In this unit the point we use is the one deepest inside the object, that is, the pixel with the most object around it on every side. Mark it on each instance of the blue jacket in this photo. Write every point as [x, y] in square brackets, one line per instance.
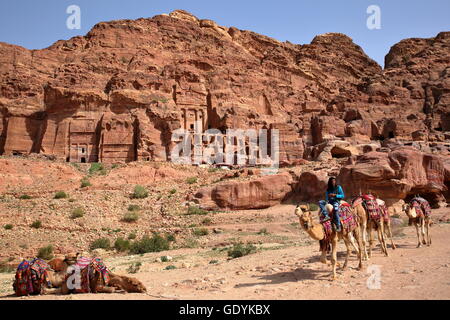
[339, 194]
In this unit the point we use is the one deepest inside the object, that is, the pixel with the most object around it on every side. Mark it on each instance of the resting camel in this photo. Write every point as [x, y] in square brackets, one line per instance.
[316, 231]
[382, 226]
[116, 282]
[419, 221]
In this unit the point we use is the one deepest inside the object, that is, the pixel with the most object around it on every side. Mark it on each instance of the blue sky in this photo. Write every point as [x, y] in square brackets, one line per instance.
[37, 24]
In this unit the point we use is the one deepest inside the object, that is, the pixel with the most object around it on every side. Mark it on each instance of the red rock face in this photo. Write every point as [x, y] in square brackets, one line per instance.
[396, 175]
[260, 193]
[119, 92]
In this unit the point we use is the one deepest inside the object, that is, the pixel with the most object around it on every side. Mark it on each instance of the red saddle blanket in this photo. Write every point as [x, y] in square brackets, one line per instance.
[423, 208]
[88, 269]
[375, 210]
[31, 277]
[346, 216]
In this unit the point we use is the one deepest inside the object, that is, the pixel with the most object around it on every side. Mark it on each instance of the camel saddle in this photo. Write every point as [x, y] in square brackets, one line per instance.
[88, 270]
[375, 207]
[346, 217]
[422, 206]
[31, 277]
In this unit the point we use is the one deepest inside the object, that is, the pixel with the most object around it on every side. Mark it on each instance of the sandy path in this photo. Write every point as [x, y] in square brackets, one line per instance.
[295, 273]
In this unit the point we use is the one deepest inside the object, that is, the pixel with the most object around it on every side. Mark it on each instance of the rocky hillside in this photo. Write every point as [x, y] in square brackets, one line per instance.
[117, 93]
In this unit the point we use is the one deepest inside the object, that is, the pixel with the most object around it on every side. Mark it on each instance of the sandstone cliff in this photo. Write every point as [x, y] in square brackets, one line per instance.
[119, 92]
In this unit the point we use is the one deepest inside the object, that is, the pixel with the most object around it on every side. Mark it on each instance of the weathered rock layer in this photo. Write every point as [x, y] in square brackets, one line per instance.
[119, 92]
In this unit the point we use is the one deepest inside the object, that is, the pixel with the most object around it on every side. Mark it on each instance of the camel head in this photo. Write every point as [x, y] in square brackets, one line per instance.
[410, 211]
[71, 258]
[304, 215]
[134, 285]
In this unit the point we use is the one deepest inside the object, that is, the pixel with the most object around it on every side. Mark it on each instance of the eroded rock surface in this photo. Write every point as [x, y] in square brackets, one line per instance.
[119, 92]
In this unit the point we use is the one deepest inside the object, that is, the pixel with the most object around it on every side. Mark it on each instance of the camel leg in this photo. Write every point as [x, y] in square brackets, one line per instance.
[334, 243]
[371, 241]
[389, 229]
[418, 235]
[380, 233]
[360, 253]
[104, 289]
[323, 255]
[358, 248]
[347, 246]
[428, 232]
[422, 231]
[364, 241]
[352, 240]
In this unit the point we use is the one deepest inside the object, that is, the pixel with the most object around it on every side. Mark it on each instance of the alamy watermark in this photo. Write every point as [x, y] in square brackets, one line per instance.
[74, 20]
[374, 20]
[374, 280]
[234, 147]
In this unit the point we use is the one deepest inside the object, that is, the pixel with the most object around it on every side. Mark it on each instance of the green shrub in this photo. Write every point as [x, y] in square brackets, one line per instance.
[25, 197]
[132, 236]
[194, 210]
[213, 170]
[36, 225]
[97, 168]
[85, 183]
[239, 250]
[164, 259]
[134, 267]
[61, 195]
[154, 244]
[77, 213]
[139, 192]
[46, 253]
[214, 262]
[4, 268]
[101, 243]
[200, 232]
[313, 207]
[131, 216]
[170, 268]
[171, 238]
[207, 222]
[191, 243]
[191, 180]
[263, 231]
[133, 207]
[8, 226]
[173, 191]
[121, 245]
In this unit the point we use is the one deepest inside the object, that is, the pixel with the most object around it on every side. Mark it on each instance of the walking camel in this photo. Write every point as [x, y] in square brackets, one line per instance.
[317, 232]
[421, 222]
[380, 222]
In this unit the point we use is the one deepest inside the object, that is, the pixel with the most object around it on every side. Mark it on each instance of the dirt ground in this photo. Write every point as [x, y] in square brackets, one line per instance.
[286, 266]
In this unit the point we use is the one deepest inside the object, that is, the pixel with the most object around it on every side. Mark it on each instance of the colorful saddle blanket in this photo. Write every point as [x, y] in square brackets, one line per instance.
[422, 207]
[347, 218]
[88, 269]
[376, 208]
[31, 277]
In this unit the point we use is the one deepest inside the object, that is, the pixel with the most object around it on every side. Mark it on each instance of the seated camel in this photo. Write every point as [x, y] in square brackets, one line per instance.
[100, 280]
[36, 277]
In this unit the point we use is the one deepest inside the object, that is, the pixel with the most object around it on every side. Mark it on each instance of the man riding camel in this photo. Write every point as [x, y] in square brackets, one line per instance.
[333, 196]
